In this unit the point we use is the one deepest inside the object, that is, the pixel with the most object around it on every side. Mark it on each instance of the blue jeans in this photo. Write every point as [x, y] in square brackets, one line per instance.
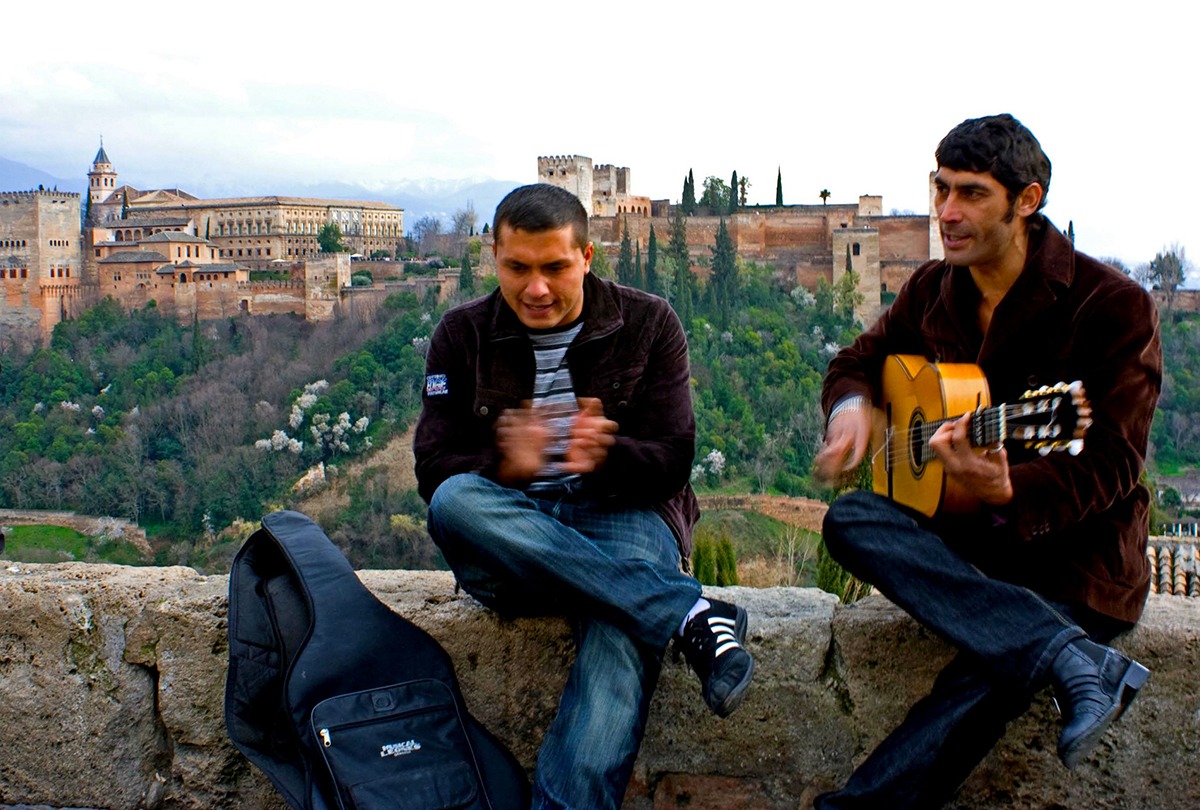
[615, 574]
[1007, 636]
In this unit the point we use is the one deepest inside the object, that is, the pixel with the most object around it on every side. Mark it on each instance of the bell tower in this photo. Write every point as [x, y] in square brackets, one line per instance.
[102, 180]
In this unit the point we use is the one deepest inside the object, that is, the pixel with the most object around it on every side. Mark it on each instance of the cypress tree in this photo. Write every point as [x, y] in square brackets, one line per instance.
[466, 277]
[639, 280]
[625, 262]
[727, 573]
[684, 286]
[704, 563]
[652, 263]
[733, 192]
[724, 276]
[688, 204]
[779, 186]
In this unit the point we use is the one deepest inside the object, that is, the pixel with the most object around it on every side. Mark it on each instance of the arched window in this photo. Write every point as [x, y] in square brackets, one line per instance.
[855, 248]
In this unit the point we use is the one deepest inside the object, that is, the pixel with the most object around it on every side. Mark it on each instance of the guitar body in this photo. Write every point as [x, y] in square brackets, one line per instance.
[918, 394]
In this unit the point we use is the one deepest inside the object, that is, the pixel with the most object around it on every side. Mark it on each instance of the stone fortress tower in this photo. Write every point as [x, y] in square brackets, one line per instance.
[570, 172]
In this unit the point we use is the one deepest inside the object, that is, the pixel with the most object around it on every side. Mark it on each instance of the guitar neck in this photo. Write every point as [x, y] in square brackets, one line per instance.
[991, 426]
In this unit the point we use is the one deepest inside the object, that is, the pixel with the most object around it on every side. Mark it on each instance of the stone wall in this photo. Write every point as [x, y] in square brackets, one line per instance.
[111, 689]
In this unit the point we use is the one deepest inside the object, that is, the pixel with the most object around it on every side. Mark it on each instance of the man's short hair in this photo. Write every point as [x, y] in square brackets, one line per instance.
[542, 207]
[1000, 145]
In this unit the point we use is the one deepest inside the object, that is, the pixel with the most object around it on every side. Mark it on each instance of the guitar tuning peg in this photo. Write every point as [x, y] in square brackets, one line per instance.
[1075, 446]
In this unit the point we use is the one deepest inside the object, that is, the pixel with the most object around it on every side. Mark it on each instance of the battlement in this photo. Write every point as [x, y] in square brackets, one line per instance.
[563, 160]
[39, 192]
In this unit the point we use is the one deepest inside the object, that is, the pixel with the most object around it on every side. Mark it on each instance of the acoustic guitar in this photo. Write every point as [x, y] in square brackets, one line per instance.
[920, 396]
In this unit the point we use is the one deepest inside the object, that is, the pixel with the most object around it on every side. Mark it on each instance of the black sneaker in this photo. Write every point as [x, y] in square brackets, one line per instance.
[712, 644]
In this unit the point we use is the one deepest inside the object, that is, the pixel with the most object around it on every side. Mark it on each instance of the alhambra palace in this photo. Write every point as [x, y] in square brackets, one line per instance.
[194, 257]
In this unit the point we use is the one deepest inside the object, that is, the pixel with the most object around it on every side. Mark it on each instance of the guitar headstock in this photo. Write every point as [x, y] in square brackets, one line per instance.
[1050, 418]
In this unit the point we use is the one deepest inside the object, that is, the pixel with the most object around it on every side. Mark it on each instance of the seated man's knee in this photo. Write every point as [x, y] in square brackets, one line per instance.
[452, 501]
[846, 514]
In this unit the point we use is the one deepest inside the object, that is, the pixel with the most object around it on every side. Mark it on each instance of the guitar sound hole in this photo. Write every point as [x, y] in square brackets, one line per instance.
[917, 444]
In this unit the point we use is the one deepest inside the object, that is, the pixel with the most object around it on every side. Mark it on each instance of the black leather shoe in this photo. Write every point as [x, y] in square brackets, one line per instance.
[712, 643]
[1093, 685]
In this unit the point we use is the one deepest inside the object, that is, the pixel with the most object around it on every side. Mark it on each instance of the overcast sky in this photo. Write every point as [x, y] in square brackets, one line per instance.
[851, 97]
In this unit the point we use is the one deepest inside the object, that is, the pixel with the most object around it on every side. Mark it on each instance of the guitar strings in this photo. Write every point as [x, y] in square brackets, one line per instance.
[898, 441]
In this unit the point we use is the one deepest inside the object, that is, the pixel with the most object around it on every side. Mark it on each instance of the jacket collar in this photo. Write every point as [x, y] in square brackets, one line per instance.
[601, 315]
[1049, 272]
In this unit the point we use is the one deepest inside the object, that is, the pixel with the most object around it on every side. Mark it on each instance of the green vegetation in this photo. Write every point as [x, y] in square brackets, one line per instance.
[733, 547]
[53, 544]
[136, 416]
[270, 275]
[329, 238]
[188, 428]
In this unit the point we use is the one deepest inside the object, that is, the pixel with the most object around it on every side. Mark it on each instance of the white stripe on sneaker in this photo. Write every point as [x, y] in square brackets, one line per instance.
[726, 647]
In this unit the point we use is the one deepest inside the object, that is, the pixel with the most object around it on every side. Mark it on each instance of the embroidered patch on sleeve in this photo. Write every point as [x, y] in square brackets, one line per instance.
[435, 385]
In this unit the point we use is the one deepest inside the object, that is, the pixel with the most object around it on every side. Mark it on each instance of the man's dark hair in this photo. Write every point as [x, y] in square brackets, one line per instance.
[1000, 145]
[542, 207]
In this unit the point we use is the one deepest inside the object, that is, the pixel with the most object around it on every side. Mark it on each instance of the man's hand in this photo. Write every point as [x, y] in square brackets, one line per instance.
[591, 436]
[521, 438]
[846, 441]
[982, 472]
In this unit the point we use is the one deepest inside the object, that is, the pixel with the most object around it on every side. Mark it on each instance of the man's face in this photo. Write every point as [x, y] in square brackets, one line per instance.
[541, 274]
[978, 223]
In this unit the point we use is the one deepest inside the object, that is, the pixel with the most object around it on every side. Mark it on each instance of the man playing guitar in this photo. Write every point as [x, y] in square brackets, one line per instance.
[1051, 566]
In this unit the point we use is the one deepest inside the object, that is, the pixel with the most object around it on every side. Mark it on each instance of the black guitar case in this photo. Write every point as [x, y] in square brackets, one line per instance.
[341, 702]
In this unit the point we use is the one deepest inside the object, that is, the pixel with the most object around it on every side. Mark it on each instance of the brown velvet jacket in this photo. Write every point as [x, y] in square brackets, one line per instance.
[1077, 526]
[631, 354]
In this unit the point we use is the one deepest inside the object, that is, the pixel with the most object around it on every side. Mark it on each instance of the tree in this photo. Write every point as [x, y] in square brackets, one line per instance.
[824, 195]
[682, 283]
[716, 195]
[1071, 231]
[600, 264]
[625, 262]
[639, 280]
[652, 263]
[466, 277]
[743, 184]
[330, 239]
[724, 276]
[733, 192]
[424, 230]
[464, 220]
[688, 201]
[779, 186]
[1168, 271]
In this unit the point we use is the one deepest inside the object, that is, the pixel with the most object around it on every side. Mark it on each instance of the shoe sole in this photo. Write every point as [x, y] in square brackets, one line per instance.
[1132, 681]
[738, 693]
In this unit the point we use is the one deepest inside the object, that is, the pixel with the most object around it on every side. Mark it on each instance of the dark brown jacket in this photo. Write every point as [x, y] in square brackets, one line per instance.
[1076, 528]
[631, 354]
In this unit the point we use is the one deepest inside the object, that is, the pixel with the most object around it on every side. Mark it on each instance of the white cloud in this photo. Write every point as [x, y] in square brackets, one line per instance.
[849, 98]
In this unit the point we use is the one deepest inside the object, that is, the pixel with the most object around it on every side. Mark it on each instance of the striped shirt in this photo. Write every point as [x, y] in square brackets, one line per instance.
[554, 400]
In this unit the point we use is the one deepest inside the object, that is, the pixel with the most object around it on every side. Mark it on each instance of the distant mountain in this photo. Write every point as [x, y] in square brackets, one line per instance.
[19, 177]
[418, 198]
